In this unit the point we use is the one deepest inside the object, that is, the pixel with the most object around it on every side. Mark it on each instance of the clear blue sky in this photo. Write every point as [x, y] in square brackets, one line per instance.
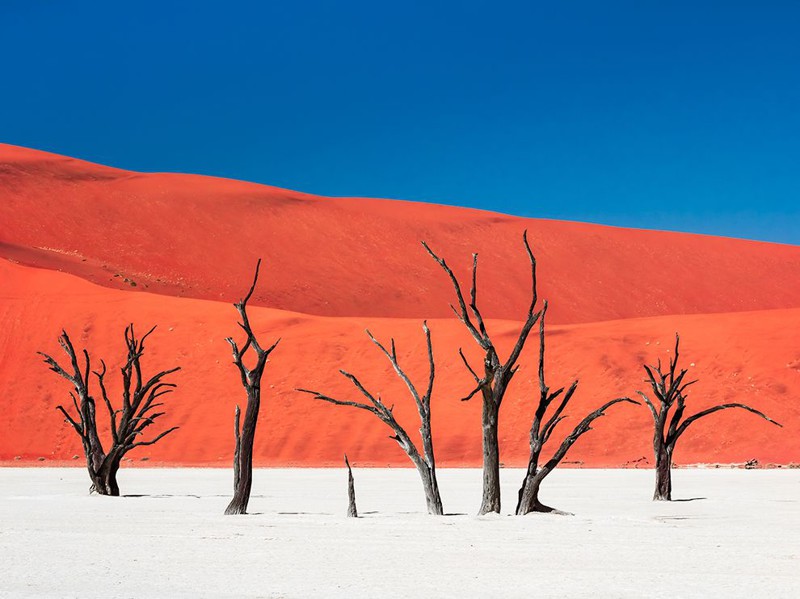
[667, 115]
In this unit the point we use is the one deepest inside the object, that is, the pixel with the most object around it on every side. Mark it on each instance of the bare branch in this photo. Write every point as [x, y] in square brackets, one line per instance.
[649, 405]
[548, 428]
[583, 427]
[532, 316]
[473, 392]
[112, 415]
[156, 439]
[682, 428]
[471, 370]
[339, 402]
[75, 425]
[484, 342]
[392, 357]
[473, 298]
[253, 286]
[431, 364]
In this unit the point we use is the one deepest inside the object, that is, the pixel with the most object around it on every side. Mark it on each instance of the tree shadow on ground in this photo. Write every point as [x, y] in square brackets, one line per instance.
[164, 495]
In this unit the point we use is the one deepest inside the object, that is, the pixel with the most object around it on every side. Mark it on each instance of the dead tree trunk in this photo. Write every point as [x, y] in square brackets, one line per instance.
[542, 428]
[352, 511]
[425, 463]
[127, 423]
[251, 381]
[663, 490]
[237, 452]
[669, 390]
[107, 476]
[490, 419]
[497, 375]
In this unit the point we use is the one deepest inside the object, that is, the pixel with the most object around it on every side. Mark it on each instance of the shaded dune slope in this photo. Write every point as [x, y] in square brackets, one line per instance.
[195, 236]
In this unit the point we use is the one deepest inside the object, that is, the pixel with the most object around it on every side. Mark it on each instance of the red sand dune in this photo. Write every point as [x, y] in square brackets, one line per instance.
[343, 264]
[750, 356]
[187, 235]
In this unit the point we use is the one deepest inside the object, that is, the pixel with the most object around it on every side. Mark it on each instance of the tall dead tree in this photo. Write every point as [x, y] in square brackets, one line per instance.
[251, 381]
[669, 389]
[542, 428]
[496, 374]
[127, 423]
[425, 462]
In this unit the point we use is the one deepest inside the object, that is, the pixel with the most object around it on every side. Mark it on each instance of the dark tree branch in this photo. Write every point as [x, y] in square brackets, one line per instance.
[532, 316]
[583, 426]
[685, 424]
[473, 298]
[649, 405]
[462, 313]
[339, 402]
[392, 357]
[472, 393]
[112, 414]
[471, 370]
[156, 439]
[550, 425]
[431, 364]
[78, 428]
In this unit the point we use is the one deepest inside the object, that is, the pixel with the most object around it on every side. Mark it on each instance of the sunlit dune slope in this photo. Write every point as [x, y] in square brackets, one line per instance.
[195, 236]
[750, 356]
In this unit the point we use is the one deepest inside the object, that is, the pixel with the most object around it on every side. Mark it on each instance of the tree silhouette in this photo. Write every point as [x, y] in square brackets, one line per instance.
[542, 428]
[669, 389]
[497, 375]
[127, 423]
[425, 463]
[251, 381]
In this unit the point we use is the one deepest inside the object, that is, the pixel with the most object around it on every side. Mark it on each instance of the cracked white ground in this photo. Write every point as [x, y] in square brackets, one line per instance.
[735, 534]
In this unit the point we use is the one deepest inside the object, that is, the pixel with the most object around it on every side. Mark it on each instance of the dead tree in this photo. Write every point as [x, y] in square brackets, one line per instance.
[352, 512]
[542, 428]
[127, 424]
[425, 463]
[496, 374]
[669, 390]
[251, 381]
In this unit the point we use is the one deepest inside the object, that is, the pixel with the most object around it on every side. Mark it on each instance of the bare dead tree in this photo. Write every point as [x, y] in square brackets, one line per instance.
[251, 381]
[542, 428]
[425, 462]
[669, 389]
[497, 374]
[128, 423]
[352, 512]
